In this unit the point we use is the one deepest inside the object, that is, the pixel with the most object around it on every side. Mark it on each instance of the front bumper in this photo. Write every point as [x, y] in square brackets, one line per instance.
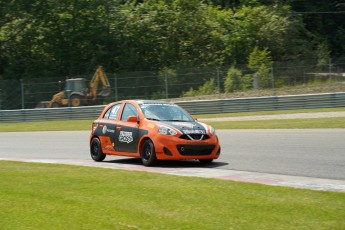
[178, 148]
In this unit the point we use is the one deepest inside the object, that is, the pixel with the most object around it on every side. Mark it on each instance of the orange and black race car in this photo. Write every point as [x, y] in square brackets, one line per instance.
[151, 130]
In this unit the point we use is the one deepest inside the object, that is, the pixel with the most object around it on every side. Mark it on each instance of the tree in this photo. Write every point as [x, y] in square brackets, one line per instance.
[233, 81]
[260, 62]
[324, 20]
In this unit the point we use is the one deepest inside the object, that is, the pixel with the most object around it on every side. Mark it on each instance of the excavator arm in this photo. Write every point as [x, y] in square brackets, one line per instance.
[97, 77]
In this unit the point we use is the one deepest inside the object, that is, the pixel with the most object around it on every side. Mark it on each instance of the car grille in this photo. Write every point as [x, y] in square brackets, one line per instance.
[194, 137]
[195, 150]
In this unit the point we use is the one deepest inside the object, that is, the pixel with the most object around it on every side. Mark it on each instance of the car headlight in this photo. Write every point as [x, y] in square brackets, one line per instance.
[166, 131]
[212, 131]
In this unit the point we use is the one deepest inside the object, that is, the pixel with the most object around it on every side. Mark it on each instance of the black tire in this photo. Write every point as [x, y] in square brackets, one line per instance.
[148, 154]
[76, 100]
[205, 161]
[96, 150]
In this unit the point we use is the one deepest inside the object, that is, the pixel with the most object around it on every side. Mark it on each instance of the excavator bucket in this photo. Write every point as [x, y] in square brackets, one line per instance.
[105, 92]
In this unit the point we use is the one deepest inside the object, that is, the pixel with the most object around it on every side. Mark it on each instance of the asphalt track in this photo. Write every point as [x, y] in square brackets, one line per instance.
[309, 158]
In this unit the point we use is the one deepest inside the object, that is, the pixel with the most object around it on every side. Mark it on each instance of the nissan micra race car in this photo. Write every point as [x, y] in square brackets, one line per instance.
[151, 130]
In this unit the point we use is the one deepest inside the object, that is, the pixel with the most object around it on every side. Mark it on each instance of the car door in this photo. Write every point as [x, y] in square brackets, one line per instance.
[127, 133]
[108, 127]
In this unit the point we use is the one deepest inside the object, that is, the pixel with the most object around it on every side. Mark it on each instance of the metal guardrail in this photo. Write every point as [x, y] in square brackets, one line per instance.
[325, 100]
[305, 101]
[51, 114]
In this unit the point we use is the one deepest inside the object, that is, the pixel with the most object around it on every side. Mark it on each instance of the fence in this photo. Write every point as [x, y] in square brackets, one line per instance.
[194, 107]
[279, 79]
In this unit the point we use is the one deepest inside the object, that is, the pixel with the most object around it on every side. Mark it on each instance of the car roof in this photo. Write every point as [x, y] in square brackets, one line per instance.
[141, 102]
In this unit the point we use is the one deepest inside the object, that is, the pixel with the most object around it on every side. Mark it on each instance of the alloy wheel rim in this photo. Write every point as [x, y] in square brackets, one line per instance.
[147, 152]
[94, 148]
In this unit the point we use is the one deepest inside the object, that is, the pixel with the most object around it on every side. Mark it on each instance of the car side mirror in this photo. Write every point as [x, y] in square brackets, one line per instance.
[132, 119]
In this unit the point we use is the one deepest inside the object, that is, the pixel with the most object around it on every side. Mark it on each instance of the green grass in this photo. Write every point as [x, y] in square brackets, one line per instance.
[70, 125]
[64, 125]
[270, 112]
[45, 196]
[311, 123]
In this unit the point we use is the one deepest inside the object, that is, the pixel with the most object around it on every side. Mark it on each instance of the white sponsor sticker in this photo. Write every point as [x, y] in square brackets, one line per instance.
[126, 137]
[193, 131]
[105, 130]
[184, 124]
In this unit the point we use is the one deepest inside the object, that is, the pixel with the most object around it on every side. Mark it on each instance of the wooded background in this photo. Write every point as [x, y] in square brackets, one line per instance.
[56, 39]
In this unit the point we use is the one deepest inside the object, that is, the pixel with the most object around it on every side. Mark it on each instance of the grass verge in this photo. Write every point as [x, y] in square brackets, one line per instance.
[63, 125]
[259, 113]
[311, 123]
[45, 196]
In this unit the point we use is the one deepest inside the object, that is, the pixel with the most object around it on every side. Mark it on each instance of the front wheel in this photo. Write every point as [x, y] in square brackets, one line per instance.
[96, 150]
[148, 154]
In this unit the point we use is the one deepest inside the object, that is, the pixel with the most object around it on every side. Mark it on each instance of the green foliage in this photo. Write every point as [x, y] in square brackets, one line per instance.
[260, 62]
[60, 38]
[233, 80]
[208, 88]
[323, 54]
[259, 58]
[48, 39]
[264, 76]
[247, 81]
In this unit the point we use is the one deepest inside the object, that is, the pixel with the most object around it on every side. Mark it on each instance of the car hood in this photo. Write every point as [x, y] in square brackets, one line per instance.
[193, 127]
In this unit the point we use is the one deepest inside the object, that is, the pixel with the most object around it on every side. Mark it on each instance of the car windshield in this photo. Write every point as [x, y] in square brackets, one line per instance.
[165, 112]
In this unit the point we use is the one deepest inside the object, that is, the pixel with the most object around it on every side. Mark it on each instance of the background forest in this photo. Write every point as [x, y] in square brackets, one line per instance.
[58, 38]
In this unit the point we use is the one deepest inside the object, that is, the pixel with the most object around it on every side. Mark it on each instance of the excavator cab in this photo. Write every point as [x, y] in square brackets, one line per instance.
[76, 85]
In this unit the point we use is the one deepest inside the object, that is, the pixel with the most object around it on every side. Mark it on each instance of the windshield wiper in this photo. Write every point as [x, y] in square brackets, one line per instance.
[152, 119]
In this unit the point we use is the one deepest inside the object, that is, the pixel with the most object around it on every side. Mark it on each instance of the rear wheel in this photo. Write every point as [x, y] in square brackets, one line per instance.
[148, 154]
[55, 105]
[96, 150]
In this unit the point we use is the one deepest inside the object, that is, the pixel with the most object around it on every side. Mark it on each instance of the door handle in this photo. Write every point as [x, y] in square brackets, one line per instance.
[119, 128]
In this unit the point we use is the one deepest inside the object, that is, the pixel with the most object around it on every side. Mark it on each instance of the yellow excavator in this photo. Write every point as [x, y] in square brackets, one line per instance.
[77, 93]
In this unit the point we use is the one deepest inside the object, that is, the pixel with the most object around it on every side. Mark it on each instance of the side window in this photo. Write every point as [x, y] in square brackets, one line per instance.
[112, 112]
[106, 115]
[129, 110]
